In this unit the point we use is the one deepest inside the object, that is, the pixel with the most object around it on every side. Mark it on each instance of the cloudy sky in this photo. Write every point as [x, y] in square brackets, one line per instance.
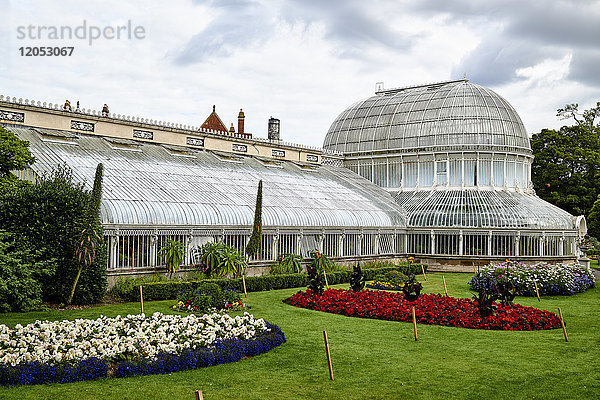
[303, 61]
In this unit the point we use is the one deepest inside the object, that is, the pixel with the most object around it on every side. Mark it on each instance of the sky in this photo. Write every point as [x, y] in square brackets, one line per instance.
[302, 61]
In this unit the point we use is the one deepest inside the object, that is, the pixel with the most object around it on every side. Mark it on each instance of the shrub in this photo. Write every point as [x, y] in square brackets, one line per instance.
[47, 217]
[20, 289]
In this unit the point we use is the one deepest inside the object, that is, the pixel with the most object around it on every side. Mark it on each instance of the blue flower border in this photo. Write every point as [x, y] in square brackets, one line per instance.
[223, 351]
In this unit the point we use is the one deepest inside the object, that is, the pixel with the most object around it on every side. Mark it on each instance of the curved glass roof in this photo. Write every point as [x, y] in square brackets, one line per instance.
[437, 117]
[153, 185]
[482, 209]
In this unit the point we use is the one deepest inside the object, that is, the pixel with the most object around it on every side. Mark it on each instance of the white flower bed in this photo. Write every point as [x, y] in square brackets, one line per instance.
[116, 338]
[558, 279]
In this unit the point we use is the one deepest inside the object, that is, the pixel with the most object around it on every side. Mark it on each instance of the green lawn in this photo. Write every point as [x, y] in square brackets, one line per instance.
[371, 359]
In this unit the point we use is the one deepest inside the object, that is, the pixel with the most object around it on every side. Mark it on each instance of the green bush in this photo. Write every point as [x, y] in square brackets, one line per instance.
[47, 217]
[202, 297]
[395, 276]
[20, 275]
[128, 288]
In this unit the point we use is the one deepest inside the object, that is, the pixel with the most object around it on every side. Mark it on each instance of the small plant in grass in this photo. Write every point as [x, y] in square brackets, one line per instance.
[412, 289]
[357, 279]
[173, 252]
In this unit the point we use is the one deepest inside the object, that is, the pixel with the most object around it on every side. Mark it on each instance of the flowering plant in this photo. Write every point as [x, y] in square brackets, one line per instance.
[63, 351]
[431, 309]
[559, 279]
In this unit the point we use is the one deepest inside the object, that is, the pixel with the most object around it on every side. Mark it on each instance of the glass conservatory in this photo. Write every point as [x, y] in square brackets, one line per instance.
[153, 192]
[457, 157]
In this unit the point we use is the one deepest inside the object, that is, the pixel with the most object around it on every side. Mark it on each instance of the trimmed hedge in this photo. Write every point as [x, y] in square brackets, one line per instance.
[170, 290]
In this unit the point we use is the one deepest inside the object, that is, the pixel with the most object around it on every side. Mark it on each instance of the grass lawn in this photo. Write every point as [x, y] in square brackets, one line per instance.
[372, 359]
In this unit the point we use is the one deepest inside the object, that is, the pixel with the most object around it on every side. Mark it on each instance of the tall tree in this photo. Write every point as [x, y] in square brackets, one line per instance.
[566, 168]
[254, 242]
[91, 234]
[14, 153]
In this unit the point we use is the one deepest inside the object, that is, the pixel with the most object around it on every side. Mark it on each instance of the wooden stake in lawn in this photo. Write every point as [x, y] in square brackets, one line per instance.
[423, 270]
[537, 292]
[199, 395]
[244, 283]
[414, 323]
[141, 299]
[474, 270]
[562, 323]
[328, 355]
[445, 288]
[325, 275]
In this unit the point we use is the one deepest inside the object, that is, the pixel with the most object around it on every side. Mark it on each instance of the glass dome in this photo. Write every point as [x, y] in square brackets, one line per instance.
[454, 115]
[456, 156]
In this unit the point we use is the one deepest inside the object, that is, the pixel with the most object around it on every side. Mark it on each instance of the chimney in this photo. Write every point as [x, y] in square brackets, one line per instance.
[241, 117]
[273, 129]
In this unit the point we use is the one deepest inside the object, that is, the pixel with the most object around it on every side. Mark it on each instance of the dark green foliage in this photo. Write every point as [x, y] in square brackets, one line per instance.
[565, 171]
[48, 216]
[254, 243]
[14, 153]
[566, 168]
[203, 297]
[316, 283]
[395, 276]
[128, 288]
[405, 268]
[357, 279]
[412, 289]
[20, 289]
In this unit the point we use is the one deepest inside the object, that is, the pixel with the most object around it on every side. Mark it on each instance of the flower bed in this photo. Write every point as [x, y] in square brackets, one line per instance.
[431, 309]
[66, 351]
[560, 279]
[383, 285]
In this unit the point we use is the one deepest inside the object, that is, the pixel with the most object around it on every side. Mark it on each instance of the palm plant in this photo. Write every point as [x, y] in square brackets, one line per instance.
[211, 256]
[232, 263]
[173, 252]
[292, 263]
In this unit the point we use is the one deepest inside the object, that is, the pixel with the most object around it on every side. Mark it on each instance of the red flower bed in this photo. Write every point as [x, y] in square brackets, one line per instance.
[432, 309]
